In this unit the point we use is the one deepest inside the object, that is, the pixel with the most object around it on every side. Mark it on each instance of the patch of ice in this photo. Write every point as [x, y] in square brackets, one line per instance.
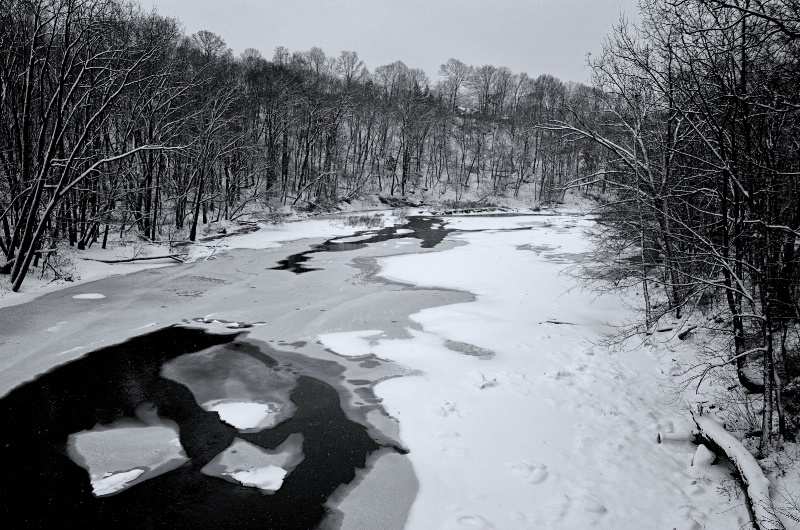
[89, 296]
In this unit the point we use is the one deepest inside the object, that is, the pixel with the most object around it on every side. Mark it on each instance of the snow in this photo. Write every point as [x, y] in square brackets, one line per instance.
[114, 482]
[753, 475]
[272, 236]
[474, 222]
[268, 478]
[703, 457]
[347, 343]
[550, 432]
[89, 296]
[243, 414]
[354, 239]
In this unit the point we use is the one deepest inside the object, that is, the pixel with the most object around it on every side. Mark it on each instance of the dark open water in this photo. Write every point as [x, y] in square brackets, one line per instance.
[40, 487]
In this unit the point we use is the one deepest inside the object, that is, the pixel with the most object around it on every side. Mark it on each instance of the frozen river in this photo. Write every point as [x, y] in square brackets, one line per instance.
[442, 374]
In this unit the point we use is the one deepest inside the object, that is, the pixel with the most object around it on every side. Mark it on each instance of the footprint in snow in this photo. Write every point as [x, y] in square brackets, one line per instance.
[530, 471]
[446, 409]
[475, 522]
[519, 383]
[593, 504]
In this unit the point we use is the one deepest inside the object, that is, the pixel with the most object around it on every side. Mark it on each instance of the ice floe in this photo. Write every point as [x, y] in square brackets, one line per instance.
[254, 466]
[125, 453]
[239, 386]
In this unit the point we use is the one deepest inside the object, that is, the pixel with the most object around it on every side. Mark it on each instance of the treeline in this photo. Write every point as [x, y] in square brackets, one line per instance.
[112, 119]
[701, 113]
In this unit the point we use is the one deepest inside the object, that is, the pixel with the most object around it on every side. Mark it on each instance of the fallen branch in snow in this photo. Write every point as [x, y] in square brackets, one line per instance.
[557, 322]
[680, 436]
[756, 485]
[177, 257]
[685, 333]
[214, 248]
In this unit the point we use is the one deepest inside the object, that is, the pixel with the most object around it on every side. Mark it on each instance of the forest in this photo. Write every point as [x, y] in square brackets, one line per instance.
[700, 110]
[112, 119]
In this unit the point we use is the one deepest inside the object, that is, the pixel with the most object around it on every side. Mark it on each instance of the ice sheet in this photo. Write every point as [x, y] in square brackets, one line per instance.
[351, 343]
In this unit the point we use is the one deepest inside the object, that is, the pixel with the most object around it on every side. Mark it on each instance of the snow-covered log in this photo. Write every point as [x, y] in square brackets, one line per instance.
[720, 441]
[177, 257]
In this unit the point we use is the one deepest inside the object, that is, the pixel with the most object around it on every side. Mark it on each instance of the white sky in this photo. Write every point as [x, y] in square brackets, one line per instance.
[533, 36]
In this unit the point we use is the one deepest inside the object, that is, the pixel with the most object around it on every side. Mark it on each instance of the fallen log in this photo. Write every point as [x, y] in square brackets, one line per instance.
[756, 485]
[181, 258]
[685, 333]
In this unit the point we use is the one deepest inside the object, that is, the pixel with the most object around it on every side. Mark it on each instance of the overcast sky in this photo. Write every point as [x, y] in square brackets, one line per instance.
[533, 36]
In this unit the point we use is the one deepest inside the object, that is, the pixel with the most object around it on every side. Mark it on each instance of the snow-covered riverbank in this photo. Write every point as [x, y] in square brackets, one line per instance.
[547, 430]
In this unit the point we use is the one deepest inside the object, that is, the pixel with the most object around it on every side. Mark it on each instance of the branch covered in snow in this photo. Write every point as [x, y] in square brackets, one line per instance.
[177, 257]
[714, 435]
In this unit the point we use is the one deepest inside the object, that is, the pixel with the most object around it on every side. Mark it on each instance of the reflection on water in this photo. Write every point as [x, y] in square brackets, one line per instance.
[79, 424]
[428, 229]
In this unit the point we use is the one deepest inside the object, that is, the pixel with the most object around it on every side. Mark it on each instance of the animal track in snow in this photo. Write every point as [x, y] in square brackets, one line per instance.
[530, 471]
